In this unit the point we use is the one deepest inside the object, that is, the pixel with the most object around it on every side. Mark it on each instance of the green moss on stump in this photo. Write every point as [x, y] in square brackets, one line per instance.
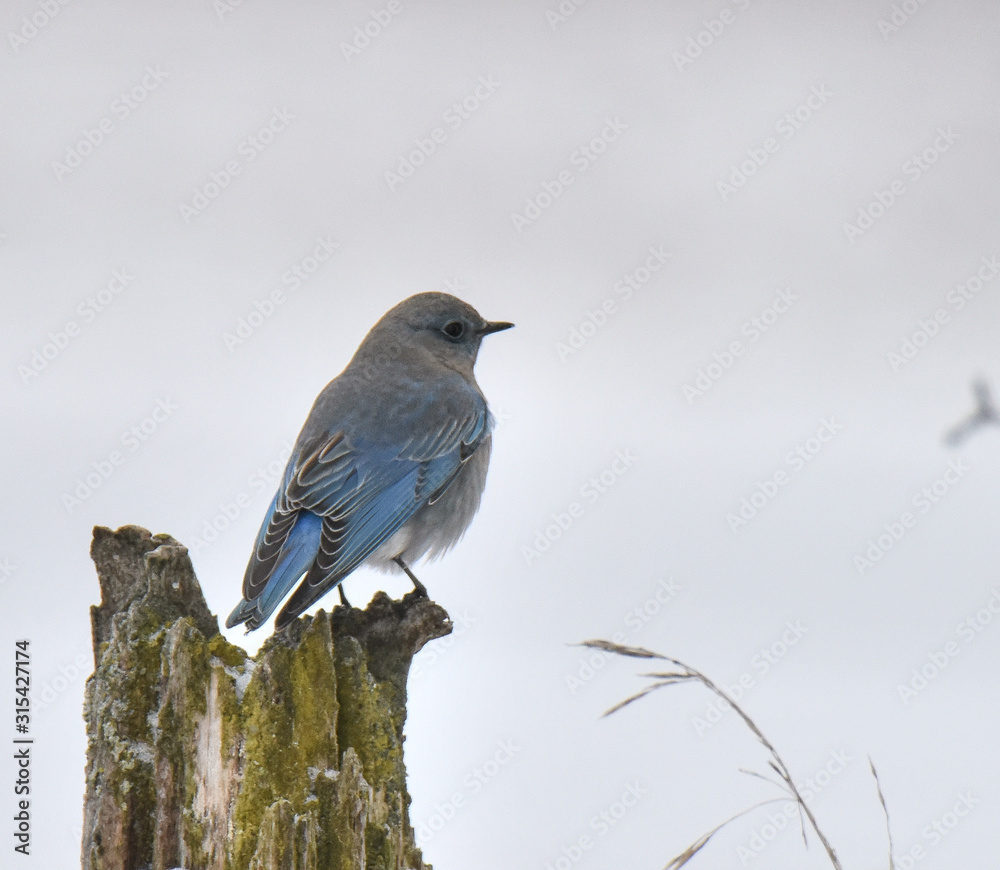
[289, 716]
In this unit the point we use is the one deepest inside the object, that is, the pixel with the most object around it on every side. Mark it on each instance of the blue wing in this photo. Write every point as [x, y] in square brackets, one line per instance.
[340, 499]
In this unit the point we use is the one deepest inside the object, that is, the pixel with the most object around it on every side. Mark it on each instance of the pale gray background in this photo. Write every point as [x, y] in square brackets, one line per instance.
[504, 676]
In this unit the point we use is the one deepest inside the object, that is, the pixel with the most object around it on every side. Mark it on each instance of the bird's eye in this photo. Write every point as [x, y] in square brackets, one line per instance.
[454, 329]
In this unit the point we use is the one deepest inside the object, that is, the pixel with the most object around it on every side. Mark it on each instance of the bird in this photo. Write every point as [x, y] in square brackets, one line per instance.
[389, 467]
[985, 414]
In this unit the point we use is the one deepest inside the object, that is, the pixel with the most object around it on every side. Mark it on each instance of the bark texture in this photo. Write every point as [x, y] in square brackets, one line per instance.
[204, 758]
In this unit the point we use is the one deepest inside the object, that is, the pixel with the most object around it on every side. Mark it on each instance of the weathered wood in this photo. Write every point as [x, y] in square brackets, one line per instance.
[204, 758]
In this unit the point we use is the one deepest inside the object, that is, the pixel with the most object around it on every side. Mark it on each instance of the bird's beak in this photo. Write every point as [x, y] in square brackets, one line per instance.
[494, 326]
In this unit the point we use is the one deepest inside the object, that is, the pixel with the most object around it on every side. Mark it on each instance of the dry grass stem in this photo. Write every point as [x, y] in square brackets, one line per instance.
[685, 673]
[885, 809]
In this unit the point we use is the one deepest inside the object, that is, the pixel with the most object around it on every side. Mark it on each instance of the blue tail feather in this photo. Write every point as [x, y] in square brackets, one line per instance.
[296, 556]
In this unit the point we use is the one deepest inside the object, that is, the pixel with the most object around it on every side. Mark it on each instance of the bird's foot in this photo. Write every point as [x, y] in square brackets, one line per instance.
[417, 585]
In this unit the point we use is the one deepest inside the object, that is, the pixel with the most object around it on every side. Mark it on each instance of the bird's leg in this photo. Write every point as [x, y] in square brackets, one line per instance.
[343, 597]
[421, 589]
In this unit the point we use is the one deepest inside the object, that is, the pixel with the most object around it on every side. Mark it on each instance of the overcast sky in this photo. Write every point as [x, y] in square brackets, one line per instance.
[751, 251]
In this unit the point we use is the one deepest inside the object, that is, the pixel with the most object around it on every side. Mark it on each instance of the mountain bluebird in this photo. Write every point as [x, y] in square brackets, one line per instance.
[389, 467]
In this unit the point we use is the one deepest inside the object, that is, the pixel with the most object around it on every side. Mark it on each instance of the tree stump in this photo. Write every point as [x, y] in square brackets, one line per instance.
[204, 758]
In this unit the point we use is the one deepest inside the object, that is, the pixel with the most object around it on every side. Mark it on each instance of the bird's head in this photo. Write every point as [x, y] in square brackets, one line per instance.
[442, 325]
